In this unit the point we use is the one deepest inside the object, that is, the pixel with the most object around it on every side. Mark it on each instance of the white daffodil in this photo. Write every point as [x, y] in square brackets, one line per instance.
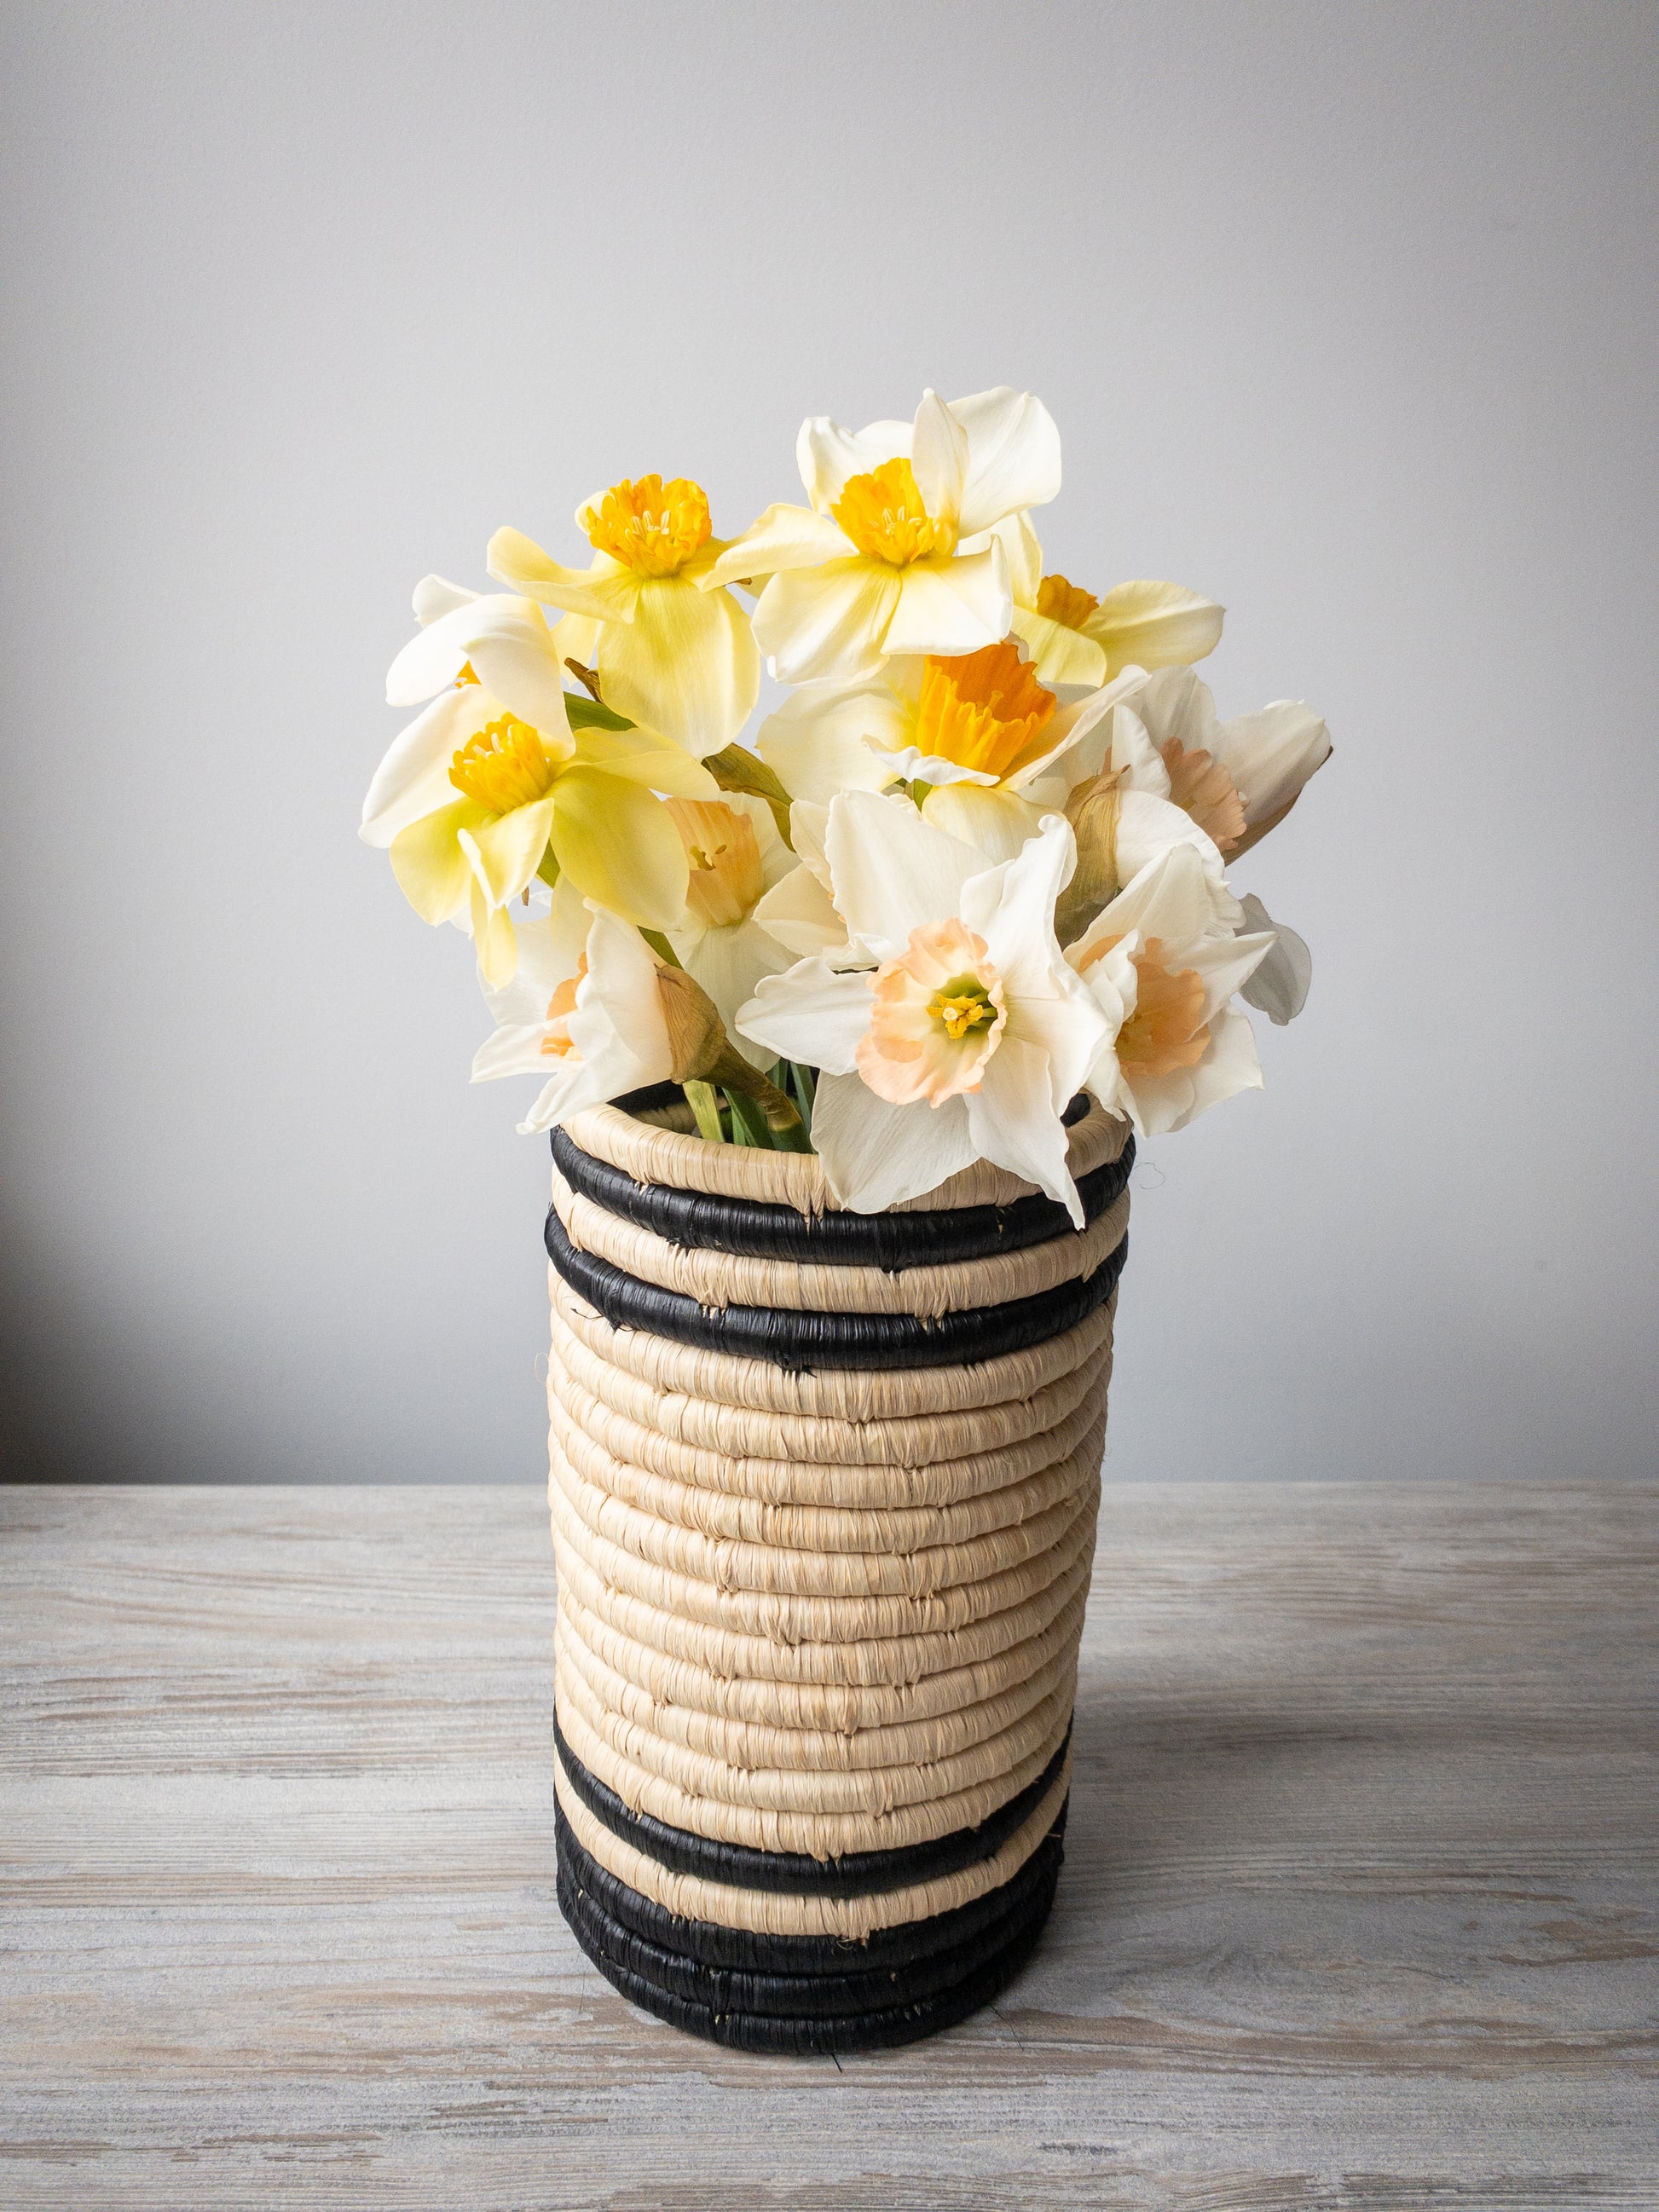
[880, 562]
[950, 1028]
[491, 778]
[1076, 639]
[668, 653]
[1162, 962]
[1279, 986]
[736, 858]
[584, 1011]
[1238, 779]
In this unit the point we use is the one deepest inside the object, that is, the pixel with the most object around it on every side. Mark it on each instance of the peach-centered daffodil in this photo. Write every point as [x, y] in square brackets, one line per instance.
[950, 1027]
[893, 556]
[491, 786]
[672, 656]
[1075, 638]
[1162, 962]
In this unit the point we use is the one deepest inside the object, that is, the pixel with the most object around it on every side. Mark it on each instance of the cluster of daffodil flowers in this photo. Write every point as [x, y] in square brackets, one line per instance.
[974, 864]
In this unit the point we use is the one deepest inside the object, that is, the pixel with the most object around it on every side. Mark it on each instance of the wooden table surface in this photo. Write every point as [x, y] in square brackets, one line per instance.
[1359, 1905]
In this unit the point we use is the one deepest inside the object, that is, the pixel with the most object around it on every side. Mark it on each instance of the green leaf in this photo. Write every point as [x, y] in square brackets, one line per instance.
[706, 1107]
[587, 714]
[749, 1122]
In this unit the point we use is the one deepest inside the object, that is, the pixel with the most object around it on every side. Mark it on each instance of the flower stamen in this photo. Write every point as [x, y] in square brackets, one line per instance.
[883, 514]
[505, 766]
[936, 1016]
[651, 527]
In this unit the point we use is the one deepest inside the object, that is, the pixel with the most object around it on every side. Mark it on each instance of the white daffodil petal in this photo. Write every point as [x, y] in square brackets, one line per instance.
[951, 606]
[876, 1155]
[413, 780]
[433, 870]
[815, 744]
[1079, 738]
[939, 457]
[800, 913]
[433, 657]
[809, 1013]
[1013, 455]
[828, 456]
[827, 622]
[1270, 755]
[618, 1024]
[1134, 756]
[1232, 1064]
[436, 597]
[494, 940]
[995, 823]
[729, 964]
[1012, 906]
[1014, 1124]
[1171, 895]
[510, 848]
[511, 649]
[1223, 964]
[1174, 703]
[1279, 986]
[602, 594]
[687, 664]
[550, 948]
[514, 1049]
[911, 766]
[1148, 826]
[619, 844]
[892, 871]
[783, 538]
[1155, 625]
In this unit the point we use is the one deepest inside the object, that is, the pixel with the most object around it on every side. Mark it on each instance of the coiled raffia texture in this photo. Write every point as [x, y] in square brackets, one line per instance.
[823, 1492]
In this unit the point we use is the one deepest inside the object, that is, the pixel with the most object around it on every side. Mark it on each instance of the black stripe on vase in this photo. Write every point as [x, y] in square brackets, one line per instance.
[658, 1098]
[796, 1340]
[854, 1874]
[879, 2027]
[755, 1229]
[855, 1990]
[711, 1943]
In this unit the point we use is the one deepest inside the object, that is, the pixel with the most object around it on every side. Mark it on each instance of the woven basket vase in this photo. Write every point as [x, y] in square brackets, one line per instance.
[823, 1489]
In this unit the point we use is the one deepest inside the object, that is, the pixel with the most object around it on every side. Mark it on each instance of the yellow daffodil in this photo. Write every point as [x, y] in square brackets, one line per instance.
[898, 552]
[678, 657]
[736, 857]
[1076, 639]
[492, 779]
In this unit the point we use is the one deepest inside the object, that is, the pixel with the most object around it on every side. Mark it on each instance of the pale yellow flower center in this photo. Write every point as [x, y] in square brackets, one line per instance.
[981, 709]
[506, 765]
[1064, 603]
[556, 1043]
[727, 879]
[884, 515]
[1167, 1029]
[936, 1017]
[650, 527]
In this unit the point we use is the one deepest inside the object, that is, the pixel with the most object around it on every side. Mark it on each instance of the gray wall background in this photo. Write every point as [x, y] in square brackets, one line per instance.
[1347, 313]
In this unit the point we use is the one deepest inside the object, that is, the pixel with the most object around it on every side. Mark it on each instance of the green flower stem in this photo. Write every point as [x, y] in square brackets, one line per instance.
[706, 1107]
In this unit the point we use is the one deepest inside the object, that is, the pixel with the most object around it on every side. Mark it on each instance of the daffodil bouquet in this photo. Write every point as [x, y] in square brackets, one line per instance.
[974, 863]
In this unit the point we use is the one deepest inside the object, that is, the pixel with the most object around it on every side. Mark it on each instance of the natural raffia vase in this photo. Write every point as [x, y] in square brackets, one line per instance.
[823, 1488]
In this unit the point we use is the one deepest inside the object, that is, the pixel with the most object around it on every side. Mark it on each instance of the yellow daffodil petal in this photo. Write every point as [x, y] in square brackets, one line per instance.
[827, 622]
[604, 594]
[493, 941]
[644, 758]
[1059, 656]
[687, 664]
[619, 847]
[951, 606]
[1153, 625]
[509, 649]
[783, 538]
[510, 850]
[429, 863]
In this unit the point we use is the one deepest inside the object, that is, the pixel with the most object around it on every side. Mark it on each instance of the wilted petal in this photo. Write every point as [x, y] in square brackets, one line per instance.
[1279, 985]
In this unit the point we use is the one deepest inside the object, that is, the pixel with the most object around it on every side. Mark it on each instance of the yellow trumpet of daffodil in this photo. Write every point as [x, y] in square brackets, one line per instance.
[492, 785]
[680, 658]
[1076, 639]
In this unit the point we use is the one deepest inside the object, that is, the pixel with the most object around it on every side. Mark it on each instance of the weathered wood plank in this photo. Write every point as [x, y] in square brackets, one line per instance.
[1359, 1907]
